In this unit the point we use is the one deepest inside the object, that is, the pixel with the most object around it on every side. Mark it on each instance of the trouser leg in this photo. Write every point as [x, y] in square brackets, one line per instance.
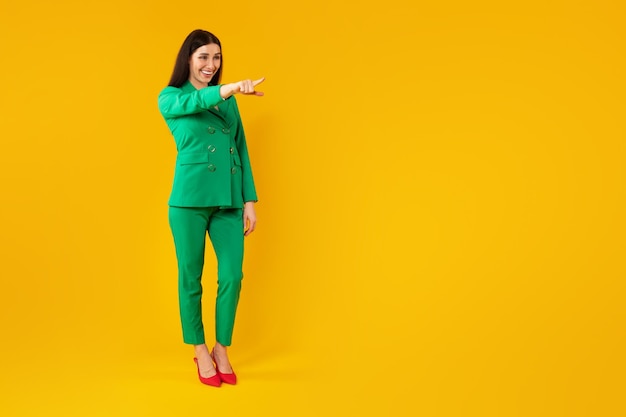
[226, 233]
[189, 228]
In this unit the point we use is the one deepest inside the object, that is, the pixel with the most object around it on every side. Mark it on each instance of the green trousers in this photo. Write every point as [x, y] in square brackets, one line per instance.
[225, 229]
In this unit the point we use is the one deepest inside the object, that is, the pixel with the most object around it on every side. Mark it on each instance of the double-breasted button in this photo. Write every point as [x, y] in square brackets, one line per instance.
[211, 148]
[233, 170]
[232, 150]
[211, 130]
[225, 130]
[211, 167]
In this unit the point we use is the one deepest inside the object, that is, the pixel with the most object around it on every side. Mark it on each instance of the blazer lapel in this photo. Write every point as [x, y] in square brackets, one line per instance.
[222, 109]
[223, 106]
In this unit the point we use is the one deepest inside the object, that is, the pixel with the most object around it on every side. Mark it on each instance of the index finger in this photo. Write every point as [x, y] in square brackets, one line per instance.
[257, 82]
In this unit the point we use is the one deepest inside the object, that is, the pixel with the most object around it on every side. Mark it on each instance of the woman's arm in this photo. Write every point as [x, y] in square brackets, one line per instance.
[247, 87]
[248, 188]
[249, 218]
[173, 102]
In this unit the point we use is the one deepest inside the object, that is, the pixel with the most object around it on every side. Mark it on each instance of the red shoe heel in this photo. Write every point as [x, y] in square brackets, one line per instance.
[214, 381]
[225, 378]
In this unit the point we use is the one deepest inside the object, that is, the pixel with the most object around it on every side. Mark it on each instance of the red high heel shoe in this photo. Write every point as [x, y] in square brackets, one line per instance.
[226, 378]
[214, 381]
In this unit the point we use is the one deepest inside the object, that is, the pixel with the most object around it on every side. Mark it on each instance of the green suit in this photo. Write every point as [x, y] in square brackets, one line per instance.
[212, 180]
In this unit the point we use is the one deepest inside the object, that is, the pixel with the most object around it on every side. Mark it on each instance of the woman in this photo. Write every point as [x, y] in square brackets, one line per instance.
[213, 192]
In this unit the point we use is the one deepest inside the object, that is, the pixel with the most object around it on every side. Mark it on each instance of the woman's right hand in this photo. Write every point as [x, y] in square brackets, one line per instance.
[247, 87]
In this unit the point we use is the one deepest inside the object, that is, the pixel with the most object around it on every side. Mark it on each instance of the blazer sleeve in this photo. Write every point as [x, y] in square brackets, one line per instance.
[249, 190]
[174, 102]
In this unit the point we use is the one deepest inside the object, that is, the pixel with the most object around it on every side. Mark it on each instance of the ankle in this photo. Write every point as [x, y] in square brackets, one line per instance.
[200, 349]
[219, 348]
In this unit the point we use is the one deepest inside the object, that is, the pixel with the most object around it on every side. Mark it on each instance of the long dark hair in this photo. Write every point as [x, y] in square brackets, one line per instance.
[194, 40]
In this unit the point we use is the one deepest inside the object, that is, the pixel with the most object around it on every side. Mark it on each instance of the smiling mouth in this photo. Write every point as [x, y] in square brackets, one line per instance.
[207, 73]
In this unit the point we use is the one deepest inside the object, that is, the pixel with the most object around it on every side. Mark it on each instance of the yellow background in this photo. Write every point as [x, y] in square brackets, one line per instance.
[441, 217]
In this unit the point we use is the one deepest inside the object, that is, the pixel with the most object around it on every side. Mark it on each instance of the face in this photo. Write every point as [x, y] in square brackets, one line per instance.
[203, 64]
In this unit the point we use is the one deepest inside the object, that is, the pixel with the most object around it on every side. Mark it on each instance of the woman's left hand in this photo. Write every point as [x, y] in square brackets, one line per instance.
[249, 218]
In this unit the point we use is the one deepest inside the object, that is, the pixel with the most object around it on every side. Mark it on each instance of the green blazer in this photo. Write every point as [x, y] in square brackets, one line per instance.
[212, 165]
